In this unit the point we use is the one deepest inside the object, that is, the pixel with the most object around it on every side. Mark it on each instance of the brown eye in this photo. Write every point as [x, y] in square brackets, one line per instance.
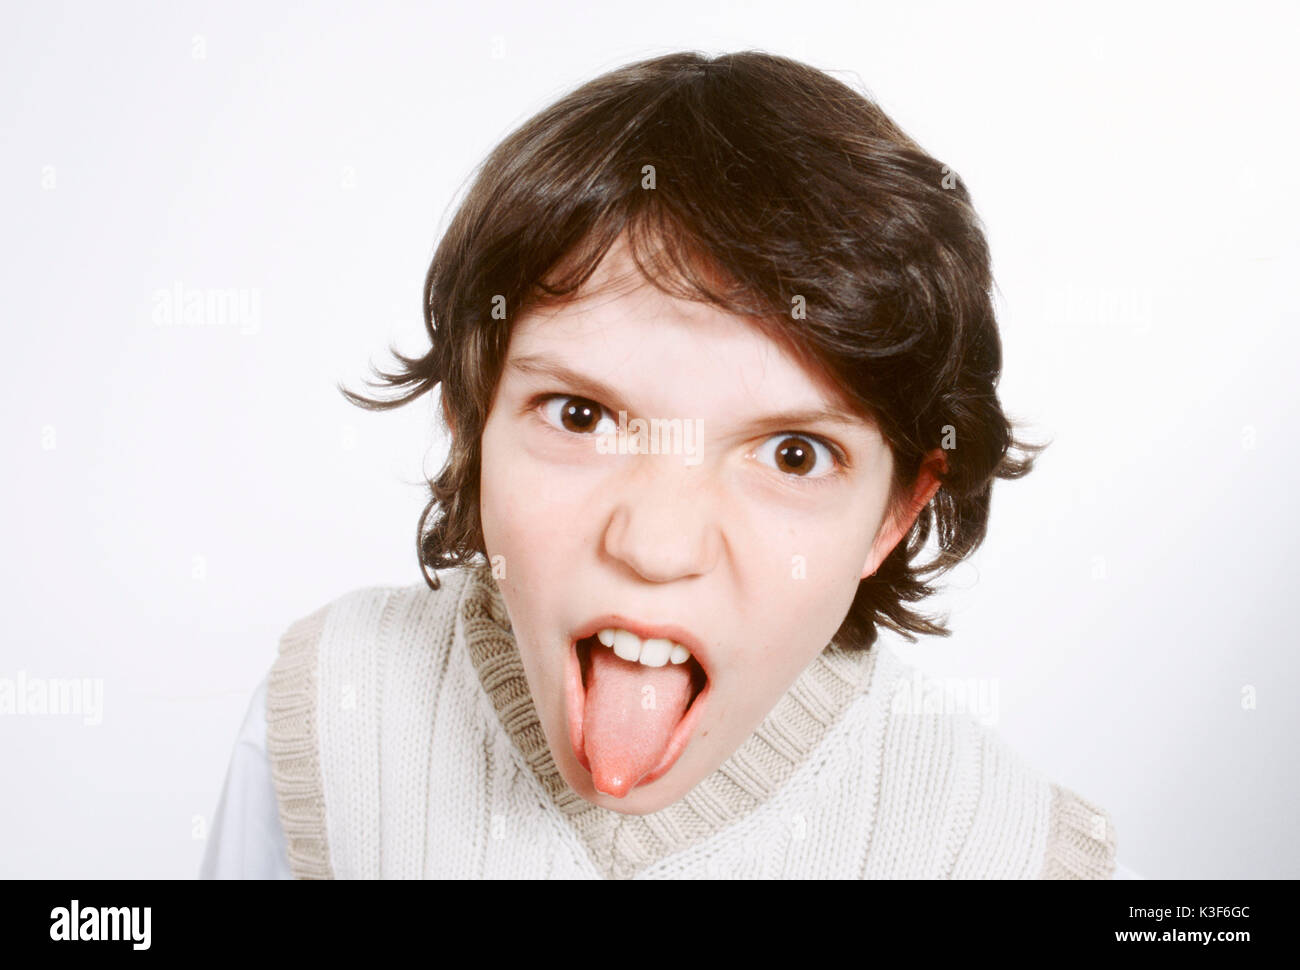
[797, 456]
[578, 415]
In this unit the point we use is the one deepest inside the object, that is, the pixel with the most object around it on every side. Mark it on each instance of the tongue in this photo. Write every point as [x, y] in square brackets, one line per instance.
[631, 712]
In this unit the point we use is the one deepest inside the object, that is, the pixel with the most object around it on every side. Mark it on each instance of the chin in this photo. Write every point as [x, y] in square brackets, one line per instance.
[642, 800]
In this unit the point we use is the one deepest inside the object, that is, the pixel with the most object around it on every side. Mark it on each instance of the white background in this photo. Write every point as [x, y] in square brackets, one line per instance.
[175, 496]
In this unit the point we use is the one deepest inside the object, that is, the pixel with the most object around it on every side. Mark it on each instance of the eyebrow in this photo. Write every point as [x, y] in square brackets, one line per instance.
[544, 366]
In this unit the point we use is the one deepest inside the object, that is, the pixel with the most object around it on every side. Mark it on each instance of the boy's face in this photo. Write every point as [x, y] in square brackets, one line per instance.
[725, 540]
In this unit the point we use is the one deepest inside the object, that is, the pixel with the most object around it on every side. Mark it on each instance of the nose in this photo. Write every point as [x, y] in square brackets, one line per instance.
[664, 523]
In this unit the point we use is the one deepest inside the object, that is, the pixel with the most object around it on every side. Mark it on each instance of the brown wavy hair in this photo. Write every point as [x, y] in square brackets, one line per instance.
[774, 185]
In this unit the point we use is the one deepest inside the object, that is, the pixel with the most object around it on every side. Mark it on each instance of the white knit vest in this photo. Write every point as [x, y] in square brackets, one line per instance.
[404, 743]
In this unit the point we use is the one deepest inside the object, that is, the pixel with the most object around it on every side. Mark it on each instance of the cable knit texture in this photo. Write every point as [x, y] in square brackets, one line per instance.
[405, 744]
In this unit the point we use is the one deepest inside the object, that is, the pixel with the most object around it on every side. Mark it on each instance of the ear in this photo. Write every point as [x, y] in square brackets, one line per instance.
[892, 529]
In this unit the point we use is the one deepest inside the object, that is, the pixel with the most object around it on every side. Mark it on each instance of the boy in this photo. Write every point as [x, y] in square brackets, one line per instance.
[717, 356]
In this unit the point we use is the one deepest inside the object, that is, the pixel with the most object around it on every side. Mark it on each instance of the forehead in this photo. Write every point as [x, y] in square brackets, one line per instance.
[623, 329]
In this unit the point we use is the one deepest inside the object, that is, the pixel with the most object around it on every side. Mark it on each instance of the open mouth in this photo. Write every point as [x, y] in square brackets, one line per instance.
[632, 743]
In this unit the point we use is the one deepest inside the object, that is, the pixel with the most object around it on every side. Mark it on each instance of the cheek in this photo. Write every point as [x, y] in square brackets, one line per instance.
[800, 601]
[528, 510]
[824, 551]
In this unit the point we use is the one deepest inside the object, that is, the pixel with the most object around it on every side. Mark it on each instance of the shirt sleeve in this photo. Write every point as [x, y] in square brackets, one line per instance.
[246, 840]
[1124, 872]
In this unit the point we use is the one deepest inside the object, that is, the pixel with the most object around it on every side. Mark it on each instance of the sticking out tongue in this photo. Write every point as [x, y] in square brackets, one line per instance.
[631, 712]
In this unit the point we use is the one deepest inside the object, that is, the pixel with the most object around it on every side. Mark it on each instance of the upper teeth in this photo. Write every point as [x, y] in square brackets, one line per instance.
[652, 653]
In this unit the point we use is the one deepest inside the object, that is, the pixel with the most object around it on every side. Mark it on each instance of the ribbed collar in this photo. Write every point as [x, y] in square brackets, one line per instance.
[622, 845]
